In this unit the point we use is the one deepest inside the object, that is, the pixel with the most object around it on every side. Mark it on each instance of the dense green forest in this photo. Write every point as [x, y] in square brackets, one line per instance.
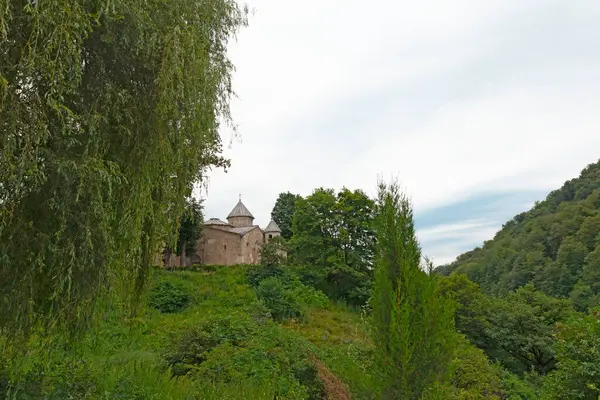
[555, 246]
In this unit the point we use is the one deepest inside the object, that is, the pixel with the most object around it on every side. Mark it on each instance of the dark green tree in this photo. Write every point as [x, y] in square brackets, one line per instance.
[314, 225]
[591, 270]
[190, 227]
[589, 232]
[570, 258]
[586, 293]
[356, 237]
[472, 308]
[578, 360]
[109, 113]
[413, 326]
[273, 253]
[520, 329]
[283, 212]
[545, 245]
[334, 241]
[516, 330]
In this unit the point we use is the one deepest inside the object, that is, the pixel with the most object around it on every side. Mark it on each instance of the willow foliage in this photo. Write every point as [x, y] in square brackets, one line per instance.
[109, 113]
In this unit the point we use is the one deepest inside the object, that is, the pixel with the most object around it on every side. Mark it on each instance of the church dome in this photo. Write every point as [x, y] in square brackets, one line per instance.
[272, 227]
[240, 210]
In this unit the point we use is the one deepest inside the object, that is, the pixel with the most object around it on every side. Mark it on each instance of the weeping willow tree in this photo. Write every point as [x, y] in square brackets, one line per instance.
[109, 113]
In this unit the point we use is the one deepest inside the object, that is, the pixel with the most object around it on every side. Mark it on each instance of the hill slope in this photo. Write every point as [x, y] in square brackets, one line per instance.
[202, 335]
[555, 245]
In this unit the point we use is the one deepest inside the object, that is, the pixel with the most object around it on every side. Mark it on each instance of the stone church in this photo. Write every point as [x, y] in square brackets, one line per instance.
[237, 241]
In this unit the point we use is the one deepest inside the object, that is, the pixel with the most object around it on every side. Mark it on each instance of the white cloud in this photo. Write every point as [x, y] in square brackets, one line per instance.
[442, 243]
[456, 98]
[469, 230]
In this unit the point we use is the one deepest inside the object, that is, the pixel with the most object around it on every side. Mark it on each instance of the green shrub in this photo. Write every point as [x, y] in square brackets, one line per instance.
[257, 274]
[473, 374]
[228, 350]
[281, 302]
[514, 387]
[52, 380]
[307, 295]
[194, 344]
[168, 297]
[283, 293]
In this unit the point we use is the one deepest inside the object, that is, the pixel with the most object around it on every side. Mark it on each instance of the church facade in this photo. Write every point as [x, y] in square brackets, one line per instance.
[237, 241]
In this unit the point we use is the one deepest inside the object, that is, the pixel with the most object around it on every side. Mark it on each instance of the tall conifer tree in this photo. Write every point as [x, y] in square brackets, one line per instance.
[413, 328]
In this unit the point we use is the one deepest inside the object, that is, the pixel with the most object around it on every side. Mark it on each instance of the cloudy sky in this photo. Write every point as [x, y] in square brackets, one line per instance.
[478, 107]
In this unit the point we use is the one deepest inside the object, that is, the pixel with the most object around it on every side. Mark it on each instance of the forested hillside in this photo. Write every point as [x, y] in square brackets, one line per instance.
[555, 246]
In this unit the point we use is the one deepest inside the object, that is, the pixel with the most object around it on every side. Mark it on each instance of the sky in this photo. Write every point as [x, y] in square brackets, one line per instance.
[478, 108]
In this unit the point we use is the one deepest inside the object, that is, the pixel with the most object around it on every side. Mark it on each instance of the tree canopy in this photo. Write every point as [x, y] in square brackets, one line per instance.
[334, 241]
[190, 227]
[283, 212]
[578, 372]
[554, 246]
[109, 113]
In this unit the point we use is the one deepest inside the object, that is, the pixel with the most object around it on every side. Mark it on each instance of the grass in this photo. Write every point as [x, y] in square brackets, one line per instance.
[221, 344]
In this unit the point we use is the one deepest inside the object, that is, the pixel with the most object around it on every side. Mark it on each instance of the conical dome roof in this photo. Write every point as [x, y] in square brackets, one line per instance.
[240, 210]
[272, 227]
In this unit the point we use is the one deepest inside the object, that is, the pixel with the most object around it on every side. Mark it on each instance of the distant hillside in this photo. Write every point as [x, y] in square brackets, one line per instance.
[555, 245]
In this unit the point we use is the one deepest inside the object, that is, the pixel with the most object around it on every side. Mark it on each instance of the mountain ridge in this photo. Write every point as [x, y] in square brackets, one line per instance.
[555, 245]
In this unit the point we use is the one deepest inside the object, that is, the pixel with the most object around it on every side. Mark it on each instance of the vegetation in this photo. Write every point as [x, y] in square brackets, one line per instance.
[555, 246]
[109, 114]
[190, 227]
[224, 344]
[190, 230]
[334, 242]
[532, 306]
[577, 351]
[168, 297]
[517, 330]
[283, 330]
[283, 213]
[413, 326]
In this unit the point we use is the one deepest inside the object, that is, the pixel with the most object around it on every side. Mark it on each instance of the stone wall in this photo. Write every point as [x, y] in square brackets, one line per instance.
[218, 247]
[251, 244]
[239, 222]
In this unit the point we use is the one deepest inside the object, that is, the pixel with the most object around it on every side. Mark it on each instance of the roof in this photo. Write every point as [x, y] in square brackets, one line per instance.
[241, 231]
[240, 210]
[215, 221]
[272, 227]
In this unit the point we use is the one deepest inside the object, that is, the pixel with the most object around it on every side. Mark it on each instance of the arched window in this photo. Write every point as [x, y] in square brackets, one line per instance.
[270, 236]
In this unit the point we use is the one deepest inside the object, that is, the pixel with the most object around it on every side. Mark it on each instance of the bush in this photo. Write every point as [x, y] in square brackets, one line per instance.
[516, 388]
[58, 378]
[257, 274]
[193, 347]
[227, 350]
[168, 297]
[283, 293]
[473, 375]
[307, 295]
[278, 300]
[271, 253]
